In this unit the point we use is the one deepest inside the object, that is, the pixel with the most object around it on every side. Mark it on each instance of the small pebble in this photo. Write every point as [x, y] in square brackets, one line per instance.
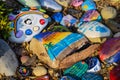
[108, 13]
[117, 34]
[39, 71]
[24, 59]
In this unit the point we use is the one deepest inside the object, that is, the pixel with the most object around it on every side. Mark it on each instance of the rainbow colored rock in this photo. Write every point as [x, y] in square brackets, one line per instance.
[77, 70]
[115, 73]
[90, 15]
[110, 50]
[88, 5]
[91, 76]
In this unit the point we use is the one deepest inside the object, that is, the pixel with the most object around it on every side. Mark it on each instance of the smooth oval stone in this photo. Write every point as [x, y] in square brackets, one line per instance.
[108, 13]
[114, 73]
[117, 34]
[76, 3]
[39, 71]
[110, 48]
[91, 76]
[24, 59]
[88, 5]
[94, 29]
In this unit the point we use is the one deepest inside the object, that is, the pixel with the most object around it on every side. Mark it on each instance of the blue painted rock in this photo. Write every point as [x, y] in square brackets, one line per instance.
[114, 73]
[50, 5]
[27, 23]
[30, 3]
[90, 15]
[94, 31]
[76, 70]
[88, 5]
[67, 78]
[110, 50]
[93, 64]
[91, 76]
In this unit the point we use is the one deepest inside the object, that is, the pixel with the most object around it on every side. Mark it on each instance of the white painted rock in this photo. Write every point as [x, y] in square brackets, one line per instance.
[117, 34]
[8, 60]
[94, 29]
[108, 13]
[39, 71]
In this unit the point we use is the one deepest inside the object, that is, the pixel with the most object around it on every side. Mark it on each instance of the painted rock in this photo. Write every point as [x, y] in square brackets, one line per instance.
[67, 78]
[108, 13]
[46, 77]
[114, 73]
[30, 3]
[114, 26]
[94, 31]
[27, 23]
[76, 3]
[93, 64]
[64, 3]
[57, 16]
[88, 5]
[68, 21]
[117, 34]
[8, 60]
[24, 59]
[76, 70]
[91, 76]
[24, 71]
[50, 5]
[110, 50]
[39, 71]
[90, 16]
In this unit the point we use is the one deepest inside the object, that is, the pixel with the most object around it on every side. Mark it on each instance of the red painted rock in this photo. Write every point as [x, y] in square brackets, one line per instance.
[43, 78]
[114, 73]
[110, 48]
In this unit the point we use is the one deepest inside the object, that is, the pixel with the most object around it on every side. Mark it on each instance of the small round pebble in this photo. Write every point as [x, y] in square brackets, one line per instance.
[39, 71]
[108, 13]
[117, 34]
[24, 59]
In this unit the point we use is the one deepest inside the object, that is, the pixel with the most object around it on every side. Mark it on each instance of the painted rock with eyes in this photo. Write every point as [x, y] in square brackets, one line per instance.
[26, 23]
[94, 31]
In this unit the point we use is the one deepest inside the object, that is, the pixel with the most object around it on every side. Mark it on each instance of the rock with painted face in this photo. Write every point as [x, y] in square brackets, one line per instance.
[27, 24]
[94, 31]
[29, 3]
[110, 50]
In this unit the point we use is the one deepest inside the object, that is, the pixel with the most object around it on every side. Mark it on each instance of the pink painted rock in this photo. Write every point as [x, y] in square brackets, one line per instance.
[76, 3]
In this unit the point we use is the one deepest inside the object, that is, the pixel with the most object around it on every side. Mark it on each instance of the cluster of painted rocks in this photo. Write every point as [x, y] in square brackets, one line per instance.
[68, 46]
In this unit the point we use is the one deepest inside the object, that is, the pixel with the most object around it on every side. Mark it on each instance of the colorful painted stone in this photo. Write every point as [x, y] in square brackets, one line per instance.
[30, 3]
[68, 21]
[91, 76]
[90, 15]
[50, 5]
[76, 3]
[39, 71]
[76, 70]
[93, 30]
[24, 71]
[88, 5]
[93, 64]
[46, 77]
[67, 78]
[114, 73]
[60, 44]
[27, 24]
[108, 13]
[110, 50]
[64, 3]
[57, 16]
